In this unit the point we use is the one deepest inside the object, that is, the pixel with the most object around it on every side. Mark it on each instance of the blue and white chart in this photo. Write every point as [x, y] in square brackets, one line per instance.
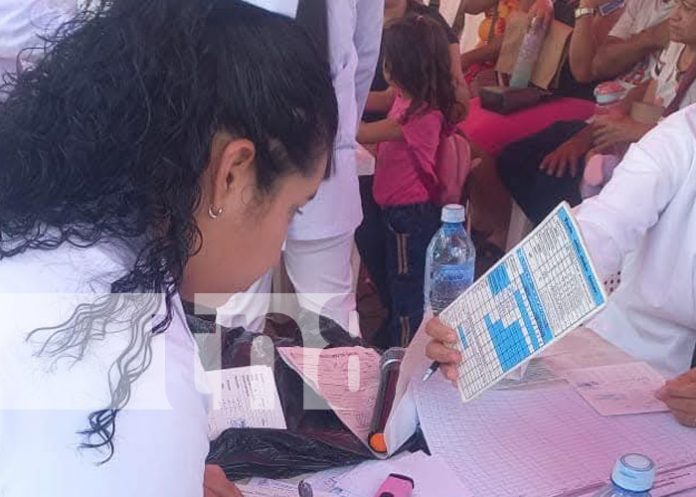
[544, 288]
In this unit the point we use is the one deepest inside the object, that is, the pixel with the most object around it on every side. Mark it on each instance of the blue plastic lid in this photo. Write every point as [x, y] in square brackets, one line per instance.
[453, 213]
[634, 472]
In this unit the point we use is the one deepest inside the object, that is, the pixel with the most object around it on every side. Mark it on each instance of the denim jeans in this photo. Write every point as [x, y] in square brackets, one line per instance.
[408, 230]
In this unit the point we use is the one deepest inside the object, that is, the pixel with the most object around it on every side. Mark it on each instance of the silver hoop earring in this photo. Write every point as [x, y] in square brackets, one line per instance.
[214, 213]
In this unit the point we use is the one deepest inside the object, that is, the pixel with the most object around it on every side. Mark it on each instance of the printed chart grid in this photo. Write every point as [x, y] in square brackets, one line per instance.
[544, 288]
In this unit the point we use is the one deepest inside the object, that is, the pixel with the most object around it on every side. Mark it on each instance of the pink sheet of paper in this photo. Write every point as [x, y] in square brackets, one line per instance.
[347, 378]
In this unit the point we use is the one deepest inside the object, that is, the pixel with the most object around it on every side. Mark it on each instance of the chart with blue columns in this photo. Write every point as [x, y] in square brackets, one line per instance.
[542, 289]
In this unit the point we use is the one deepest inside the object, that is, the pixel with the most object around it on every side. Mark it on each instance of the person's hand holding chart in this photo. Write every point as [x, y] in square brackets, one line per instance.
[544, 288]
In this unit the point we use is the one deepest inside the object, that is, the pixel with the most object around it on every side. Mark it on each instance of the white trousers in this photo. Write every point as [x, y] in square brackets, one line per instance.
[322, 276]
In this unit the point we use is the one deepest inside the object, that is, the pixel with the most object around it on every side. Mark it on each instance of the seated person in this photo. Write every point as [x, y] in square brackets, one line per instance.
[490, 32]
[642, 222]
[544, 169]
[490, 132]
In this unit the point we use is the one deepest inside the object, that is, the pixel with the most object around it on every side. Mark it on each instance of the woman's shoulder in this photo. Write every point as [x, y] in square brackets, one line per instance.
[67, 268]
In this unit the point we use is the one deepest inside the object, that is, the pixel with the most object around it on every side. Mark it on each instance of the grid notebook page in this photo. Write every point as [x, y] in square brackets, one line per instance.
[541, 443]
[542, 289]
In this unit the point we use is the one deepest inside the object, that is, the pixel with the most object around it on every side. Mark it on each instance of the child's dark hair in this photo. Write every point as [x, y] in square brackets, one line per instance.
[417, 59]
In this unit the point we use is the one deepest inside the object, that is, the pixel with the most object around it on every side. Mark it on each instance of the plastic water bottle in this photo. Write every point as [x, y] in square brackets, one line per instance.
[609, 98]
[529, 53]
[450, 261]
[633, 476]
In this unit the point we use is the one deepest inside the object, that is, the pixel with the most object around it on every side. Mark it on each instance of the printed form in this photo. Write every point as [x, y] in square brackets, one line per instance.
[619, 389]
[244, 398]
[542, 289]
[347, 378]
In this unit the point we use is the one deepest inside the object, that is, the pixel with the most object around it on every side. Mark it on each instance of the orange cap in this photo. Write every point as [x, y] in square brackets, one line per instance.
[378, 443]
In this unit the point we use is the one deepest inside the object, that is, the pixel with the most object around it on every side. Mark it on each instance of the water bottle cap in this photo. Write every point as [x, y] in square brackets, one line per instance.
[453, 213]
[610, 92]
[634, 472]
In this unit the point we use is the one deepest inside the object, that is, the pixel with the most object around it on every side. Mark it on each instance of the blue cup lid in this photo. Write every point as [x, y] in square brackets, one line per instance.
[634, 472]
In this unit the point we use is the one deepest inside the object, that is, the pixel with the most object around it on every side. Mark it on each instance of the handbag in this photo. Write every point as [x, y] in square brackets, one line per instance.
[505, 100]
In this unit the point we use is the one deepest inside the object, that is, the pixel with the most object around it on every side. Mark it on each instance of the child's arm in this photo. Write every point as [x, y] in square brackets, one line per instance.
[379, 131]
[380, 101]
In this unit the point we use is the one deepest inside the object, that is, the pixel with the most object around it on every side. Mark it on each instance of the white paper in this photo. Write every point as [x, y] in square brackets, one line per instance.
[583, 348]
[541, 290]
[268, 488]
[403, 419]
[327, 481]
[537, 374]
[431, 475]
[244, 398]
[265, 487]
[347, 378]
[679, 481]
[619, 389]
[541, 443]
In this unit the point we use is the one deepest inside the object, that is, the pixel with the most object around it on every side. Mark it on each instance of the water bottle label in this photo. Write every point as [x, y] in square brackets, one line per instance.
[455, 272]
[450, 229]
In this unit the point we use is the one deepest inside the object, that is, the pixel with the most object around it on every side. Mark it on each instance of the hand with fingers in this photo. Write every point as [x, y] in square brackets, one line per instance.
[439, 348]
[566, 158]
[680, 396]
[610, 132]
[542, 9]
[216, 484]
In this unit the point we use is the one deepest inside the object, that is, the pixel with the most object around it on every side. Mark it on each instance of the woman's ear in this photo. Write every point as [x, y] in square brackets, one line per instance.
[233, 174]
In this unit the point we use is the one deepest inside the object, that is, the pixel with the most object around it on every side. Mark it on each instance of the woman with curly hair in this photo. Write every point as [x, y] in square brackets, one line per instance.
[157, 150]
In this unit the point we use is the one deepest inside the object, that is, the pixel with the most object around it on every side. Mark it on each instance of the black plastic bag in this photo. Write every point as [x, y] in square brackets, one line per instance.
[315, 439]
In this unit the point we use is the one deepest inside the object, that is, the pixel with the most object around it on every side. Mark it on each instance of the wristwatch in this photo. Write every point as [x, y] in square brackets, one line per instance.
[585, 11]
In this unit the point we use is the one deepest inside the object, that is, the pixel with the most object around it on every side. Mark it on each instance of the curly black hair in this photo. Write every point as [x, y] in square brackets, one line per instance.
[107, 136]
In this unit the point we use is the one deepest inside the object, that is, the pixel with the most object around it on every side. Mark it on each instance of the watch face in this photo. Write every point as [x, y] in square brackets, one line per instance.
[611, 7]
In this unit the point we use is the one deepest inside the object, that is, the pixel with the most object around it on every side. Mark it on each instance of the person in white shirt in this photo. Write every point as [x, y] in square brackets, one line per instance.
[320, 241]
[151, 155]
[642, 223]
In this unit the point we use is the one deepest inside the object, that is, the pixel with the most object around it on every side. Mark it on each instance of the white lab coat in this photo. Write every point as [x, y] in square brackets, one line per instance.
[161, 437]
[644, 222]
[21, 24]
[355, 32]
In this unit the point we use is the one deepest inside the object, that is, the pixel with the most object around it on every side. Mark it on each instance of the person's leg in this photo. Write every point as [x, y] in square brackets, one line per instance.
[369, 237]
[321, 272]
[409, 230]
[518, 166]
[489, 200]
